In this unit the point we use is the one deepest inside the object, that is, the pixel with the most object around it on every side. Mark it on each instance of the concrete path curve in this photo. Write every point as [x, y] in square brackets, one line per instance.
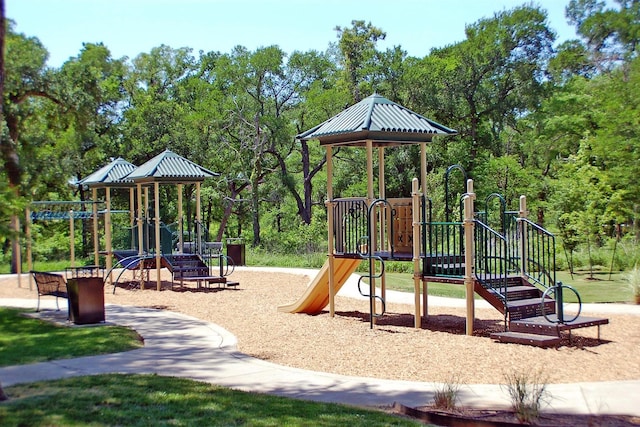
[183, 346]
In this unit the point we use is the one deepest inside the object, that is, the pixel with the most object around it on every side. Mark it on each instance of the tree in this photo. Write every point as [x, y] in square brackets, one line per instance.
[3, 24]
[484, 83]
[357, 45]
[313, 79]
[611, 36]
[26, 88]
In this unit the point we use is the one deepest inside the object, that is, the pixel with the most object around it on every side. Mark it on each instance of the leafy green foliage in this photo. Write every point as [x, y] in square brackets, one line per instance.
[559, 126]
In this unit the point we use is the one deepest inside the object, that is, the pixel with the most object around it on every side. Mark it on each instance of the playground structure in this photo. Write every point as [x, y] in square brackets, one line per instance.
[152, 245]
[511, 265]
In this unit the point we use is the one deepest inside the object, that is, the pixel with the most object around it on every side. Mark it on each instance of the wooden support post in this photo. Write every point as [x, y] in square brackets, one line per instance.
[96, 240]
[330, 242]
[107, 235]
[198, 218]
[415, 211]
[371, 230]
[383, 219]
[523, 240]
[72, 240]
[180, 221]
[156, 194]
[132, 213]
[29, 248]
[468, 261]
[140, 232]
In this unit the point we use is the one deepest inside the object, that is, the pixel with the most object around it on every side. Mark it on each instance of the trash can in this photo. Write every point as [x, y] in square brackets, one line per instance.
[235, 250]
[85, 289]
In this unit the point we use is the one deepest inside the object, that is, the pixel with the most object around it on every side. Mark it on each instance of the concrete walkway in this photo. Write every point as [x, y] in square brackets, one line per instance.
[183, 346]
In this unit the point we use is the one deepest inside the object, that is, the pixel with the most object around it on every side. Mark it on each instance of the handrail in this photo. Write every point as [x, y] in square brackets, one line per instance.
[490, 254]
[537, 253]
[444, 249]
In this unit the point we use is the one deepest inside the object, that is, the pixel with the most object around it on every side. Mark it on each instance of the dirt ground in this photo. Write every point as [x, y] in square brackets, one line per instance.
[345, 344]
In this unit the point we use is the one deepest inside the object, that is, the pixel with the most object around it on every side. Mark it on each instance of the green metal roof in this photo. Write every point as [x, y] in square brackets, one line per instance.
[112, 174]
[170, 167]
[377, 119]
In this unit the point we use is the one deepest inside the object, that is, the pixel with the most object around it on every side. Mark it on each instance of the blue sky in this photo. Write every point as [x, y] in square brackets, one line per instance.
[130, 27]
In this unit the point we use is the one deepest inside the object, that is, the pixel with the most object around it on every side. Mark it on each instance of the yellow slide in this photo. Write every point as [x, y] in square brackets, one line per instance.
[316, 297]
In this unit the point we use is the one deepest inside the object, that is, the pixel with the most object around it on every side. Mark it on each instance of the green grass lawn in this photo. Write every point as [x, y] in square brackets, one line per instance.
[601, 289]
[151, 400]
[27, 340]
[140, 400]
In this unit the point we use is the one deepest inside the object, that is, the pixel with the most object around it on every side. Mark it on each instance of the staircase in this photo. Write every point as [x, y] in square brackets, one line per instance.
[523, 302]
[523, 310]
[192, 268]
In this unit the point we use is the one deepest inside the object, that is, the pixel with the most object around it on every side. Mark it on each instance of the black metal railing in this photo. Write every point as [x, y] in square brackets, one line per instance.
[491, 268]
[537, 249]
[444, 249]
[350, 225]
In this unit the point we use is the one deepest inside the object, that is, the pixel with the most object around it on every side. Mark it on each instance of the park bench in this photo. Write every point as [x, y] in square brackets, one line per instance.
[50, 284]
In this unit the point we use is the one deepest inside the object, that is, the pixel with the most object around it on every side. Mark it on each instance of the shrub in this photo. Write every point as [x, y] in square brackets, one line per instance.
[446, 395]
[527, 391]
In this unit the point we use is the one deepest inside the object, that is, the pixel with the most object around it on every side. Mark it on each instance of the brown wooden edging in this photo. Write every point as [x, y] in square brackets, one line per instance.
[449, 420]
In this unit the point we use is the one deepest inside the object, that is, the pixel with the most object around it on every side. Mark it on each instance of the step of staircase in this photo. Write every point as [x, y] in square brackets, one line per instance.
[536, 325]
[528, 307]
[537, 340]
[518, 292]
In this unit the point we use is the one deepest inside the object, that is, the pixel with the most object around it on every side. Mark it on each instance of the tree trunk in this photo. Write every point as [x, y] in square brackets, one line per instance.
[8, 151]
[3, 396]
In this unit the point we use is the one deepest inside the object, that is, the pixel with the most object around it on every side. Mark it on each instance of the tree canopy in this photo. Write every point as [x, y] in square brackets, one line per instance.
[557, 123]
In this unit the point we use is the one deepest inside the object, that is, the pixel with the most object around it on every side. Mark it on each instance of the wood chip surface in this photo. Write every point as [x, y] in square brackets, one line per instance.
[393, 349]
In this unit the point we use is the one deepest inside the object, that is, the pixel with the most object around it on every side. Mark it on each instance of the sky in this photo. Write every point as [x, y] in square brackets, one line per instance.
[131, 27]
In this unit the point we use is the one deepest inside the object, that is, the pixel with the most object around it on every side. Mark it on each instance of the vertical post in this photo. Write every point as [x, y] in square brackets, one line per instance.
[384, 219]
[330, 233]
[147, 243]
[29, 247]
[140, 232]
[423, 168]
[16, 246]
[423, 189]
[181, 222]
[156, 195]
[96, 240]
[415, 210]
[468, 262]
[198, 219]
[371, 230]
[132, 214]
[107, 234]
[72, 239]
[522, 213]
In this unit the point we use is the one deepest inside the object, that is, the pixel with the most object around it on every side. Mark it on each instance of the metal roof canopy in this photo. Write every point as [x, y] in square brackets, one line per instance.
[113, 175]
[169, 167]
[379, 120]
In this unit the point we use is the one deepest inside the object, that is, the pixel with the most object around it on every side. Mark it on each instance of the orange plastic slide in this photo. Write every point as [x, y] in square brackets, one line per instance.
[316, 296]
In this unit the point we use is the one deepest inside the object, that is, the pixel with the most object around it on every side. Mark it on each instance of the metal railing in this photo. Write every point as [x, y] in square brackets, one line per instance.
[444, 249]
[537, 249]
[491, 252]
[350, 225]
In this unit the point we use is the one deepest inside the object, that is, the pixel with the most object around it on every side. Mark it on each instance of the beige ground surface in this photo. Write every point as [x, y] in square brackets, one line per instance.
[393, 349]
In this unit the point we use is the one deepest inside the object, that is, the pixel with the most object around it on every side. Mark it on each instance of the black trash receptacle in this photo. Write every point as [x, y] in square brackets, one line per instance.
[236, 250]
[86, 297]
